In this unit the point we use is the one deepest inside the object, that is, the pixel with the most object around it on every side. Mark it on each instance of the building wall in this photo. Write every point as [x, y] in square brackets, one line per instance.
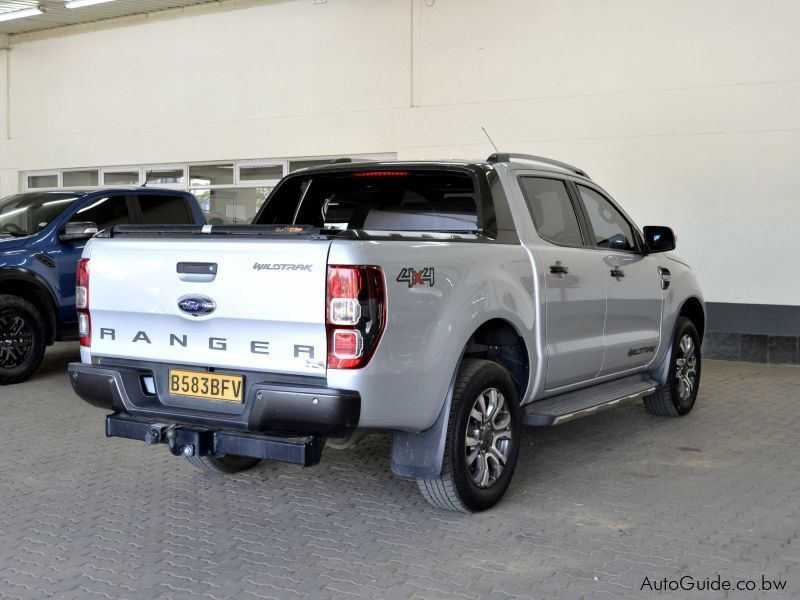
[686, 111]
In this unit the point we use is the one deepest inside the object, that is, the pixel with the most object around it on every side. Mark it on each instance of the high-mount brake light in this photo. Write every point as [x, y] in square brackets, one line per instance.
[380, 174]
[82, 302]
[355, 314]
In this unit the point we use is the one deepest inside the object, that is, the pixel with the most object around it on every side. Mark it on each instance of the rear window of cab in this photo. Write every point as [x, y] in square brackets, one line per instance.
[376, 200]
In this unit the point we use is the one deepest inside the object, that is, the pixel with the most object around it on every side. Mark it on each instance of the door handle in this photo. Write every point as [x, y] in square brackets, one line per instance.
[196, 271]
[617, 273]
[559, 269]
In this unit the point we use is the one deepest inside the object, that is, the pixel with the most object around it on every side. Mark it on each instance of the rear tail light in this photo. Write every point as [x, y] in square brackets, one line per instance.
[355, 314]
[82, 302]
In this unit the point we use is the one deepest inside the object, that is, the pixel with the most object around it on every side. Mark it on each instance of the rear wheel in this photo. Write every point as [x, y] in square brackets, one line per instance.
[22, 340]
[223, 464]
[482, 444]
[677, 397]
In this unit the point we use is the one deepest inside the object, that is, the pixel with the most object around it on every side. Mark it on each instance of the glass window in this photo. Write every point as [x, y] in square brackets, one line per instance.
[552, 211]
[211, 174]
[159, 209]
[79, 178]
[382, 200]
[25, 214]
[42, 181]
[164, 176]
[260, 172]
[230, 206]
[609, 227]
[121, 178]
[105, 212]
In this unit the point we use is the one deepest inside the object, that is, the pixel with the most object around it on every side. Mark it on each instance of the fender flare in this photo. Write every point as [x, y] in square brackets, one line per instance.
[39, 283]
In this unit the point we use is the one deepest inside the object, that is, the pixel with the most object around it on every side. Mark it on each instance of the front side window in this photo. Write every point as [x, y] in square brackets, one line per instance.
[552, 211]
[610, 229]
[104, 212]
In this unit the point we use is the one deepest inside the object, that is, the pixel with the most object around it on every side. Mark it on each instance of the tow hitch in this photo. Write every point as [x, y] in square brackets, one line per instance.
[190, 440]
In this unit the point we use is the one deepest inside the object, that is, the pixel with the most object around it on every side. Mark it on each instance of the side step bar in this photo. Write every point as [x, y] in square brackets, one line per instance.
[581, 403]
[200, 441]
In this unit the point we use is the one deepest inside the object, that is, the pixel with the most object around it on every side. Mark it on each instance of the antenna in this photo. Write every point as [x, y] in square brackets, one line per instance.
[490, 139]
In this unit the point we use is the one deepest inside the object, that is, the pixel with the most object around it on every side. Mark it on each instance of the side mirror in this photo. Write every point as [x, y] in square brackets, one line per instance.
[78, 231]
[659, 239]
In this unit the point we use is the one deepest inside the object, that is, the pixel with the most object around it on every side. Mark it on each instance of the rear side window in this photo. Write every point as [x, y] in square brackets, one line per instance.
[552, 210]
[104, 212]
[609, 227]
[164, 210]
[380, 200]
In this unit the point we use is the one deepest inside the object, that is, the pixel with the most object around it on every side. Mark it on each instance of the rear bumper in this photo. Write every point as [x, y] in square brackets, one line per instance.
[269, 407]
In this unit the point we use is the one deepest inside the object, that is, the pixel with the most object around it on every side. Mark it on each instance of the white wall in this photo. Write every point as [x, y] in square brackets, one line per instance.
[685, 111]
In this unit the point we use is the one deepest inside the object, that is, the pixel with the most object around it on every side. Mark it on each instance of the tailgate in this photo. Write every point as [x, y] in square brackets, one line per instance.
[243, 304]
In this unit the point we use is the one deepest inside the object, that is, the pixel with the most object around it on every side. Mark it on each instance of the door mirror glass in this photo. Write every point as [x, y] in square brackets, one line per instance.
[78, 231]
[659, 239]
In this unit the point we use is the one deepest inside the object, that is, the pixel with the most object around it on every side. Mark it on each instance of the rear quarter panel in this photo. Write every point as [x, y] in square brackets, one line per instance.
[405, 384]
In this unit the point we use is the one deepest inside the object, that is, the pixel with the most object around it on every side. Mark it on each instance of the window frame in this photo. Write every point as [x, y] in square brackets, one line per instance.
[131, 169]
[183, 186]
[27, 174]
[80, 187]
[577, 209]
[129, 203]
[637, 240]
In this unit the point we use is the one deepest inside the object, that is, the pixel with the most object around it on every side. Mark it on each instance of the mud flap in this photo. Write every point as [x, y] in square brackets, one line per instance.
[419, 455]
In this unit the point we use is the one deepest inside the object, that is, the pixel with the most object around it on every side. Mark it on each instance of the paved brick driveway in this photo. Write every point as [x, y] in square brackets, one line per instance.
[596, 505]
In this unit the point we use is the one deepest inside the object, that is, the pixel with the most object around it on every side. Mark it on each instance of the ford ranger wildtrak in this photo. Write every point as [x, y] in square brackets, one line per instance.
[449, 303]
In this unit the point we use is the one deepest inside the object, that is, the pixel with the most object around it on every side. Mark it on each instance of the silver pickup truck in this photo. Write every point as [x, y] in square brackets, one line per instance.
[449, 303]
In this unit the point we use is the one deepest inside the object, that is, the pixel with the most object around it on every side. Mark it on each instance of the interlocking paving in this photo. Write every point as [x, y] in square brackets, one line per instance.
[595, 506]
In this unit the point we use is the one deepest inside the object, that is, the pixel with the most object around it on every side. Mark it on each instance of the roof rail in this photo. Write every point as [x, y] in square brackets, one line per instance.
[507, 156]
[337, 161]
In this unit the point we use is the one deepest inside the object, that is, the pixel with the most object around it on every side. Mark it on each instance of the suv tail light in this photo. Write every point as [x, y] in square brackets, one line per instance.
[82, 302]
[355, 314]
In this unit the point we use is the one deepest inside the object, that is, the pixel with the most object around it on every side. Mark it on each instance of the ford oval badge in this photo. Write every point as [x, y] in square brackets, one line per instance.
[196, 305]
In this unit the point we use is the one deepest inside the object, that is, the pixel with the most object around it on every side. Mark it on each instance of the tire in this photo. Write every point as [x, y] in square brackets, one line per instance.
[472, 485]
[223, 464]
[22, 339]
[672, 399]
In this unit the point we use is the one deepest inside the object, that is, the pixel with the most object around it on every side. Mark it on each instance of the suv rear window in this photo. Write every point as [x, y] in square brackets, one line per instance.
[378, 200]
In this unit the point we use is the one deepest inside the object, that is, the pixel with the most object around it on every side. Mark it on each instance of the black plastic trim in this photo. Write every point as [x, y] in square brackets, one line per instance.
[269, 406]
[41, 285]
[305, 451]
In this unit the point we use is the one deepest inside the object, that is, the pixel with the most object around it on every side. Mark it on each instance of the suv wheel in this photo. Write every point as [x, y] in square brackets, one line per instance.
[483, 439]
[677, 397]
[223, 464]
[21, 339]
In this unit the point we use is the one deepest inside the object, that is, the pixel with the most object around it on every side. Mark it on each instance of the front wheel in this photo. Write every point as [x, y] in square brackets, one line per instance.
[483, 439]
[677, 397]
[22, 339]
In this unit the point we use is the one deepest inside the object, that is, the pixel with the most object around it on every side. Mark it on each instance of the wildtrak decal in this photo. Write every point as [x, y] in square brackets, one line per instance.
[414, 277]
[642, 350]
[280, 267]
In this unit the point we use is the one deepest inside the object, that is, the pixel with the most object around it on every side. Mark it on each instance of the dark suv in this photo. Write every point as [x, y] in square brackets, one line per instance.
[42, 235]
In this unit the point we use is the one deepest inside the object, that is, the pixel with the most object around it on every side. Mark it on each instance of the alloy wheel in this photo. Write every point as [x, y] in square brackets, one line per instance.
[488, 437]
[686, 368]
[16, 340]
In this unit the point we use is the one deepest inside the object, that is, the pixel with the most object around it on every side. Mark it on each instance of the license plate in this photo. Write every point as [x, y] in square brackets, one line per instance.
[212, 386]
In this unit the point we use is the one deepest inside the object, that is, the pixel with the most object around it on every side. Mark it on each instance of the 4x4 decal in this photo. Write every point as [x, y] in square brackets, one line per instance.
[414, 277]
